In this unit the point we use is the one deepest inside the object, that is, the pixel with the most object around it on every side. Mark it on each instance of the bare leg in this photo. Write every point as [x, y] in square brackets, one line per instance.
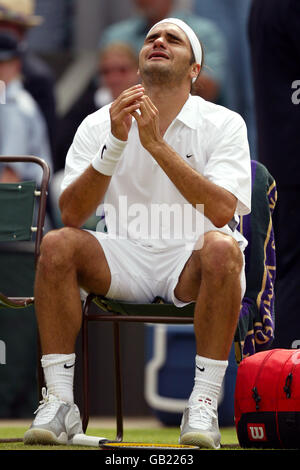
[69, 258]
[211, 277]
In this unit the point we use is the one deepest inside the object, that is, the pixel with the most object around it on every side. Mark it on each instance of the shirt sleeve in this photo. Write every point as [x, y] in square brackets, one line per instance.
[86, 145]
[229, 163]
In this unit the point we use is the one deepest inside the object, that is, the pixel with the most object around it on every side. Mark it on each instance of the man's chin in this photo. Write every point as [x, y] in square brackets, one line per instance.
[156, 72]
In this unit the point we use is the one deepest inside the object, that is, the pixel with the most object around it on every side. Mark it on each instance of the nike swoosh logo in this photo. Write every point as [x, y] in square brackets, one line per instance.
[202, 369]
[189, 155]
[103, 149]
[69, 367]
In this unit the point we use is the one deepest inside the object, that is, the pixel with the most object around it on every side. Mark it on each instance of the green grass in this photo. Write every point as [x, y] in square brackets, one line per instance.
[164, 435]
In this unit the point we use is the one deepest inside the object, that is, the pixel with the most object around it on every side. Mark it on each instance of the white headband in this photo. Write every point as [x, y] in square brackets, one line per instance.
[194, 41]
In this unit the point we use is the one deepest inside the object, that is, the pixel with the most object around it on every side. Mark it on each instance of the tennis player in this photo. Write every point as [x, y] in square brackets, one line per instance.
[155, 145]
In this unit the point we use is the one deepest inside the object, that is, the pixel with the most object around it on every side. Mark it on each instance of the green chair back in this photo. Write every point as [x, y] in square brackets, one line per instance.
[17, 201]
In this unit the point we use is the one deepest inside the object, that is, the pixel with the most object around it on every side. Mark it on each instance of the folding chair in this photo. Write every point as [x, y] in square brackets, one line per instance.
[255, 329]
[22, 218]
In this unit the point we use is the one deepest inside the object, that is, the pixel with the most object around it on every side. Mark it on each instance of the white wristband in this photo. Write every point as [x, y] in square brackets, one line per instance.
[110, 154]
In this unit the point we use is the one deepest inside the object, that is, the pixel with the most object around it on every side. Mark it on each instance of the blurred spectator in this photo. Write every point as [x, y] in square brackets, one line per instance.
[18, 17]
[274, 27]
[231, 16]
[55, 36]
[118, 67]
[22, 127]
[133, 30]
[117, 70]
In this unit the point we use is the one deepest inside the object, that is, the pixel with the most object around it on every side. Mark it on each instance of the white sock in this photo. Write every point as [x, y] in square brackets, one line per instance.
[59, 375]
[209, 375]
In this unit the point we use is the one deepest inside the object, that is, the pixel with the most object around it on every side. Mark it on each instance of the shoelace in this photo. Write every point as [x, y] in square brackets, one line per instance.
[46, 413]
[201, 416]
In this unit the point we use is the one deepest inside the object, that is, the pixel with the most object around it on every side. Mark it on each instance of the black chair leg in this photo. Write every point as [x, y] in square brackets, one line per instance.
[118, 374]
[118, 382]
[85, 366]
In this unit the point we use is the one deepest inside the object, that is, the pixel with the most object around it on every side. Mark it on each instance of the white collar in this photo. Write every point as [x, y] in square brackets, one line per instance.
[188, 113]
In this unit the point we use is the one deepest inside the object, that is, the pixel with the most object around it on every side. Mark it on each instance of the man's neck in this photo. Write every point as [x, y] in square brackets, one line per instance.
[169, 103]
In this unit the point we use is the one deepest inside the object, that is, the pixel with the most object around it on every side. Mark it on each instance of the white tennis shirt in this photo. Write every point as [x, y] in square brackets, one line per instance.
[141, 202]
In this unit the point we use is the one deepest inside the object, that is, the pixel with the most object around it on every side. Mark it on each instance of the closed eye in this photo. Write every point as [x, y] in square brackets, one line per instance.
[169, 36]
[149, 39]
[173, 38]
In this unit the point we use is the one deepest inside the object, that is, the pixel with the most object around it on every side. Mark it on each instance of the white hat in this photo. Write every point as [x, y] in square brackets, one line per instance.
[20, 12]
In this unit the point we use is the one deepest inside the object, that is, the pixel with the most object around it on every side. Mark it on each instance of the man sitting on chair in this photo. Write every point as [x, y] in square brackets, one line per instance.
[154, 145]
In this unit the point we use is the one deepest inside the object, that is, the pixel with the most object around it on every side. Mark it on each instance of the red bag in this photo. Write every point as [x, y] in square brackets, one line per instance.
[267, 400]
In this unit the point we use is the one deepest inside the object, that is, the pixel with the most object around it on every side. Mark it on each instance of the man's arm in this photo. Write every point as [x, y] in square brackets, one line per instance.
[219, 204]
[81, 198]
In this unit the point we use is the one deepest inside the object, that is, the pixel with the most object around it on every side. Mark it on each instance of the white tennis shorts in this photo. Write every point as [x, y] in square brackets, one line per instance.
[139, 275]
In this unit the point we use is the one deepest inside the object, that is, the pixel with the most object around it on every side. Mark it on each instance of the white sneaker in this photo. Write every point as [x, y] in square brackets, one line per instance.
[56, 422]
[199, 425]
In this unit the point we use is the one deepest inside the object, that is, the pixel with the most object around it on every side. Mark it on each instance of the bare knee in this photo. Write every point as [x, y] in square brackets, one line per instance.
[57, 249]
[220, 256]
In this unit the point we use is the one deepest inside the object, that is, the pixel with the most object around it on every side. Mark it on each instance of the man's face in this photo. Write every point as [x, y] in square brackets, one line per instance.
[165, 55]
[19, 30]
[9, 70]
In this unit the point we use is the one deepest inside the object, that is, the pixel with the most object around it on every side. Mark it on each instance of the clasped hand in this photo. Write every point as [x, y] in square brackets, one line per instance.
[134, 103]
